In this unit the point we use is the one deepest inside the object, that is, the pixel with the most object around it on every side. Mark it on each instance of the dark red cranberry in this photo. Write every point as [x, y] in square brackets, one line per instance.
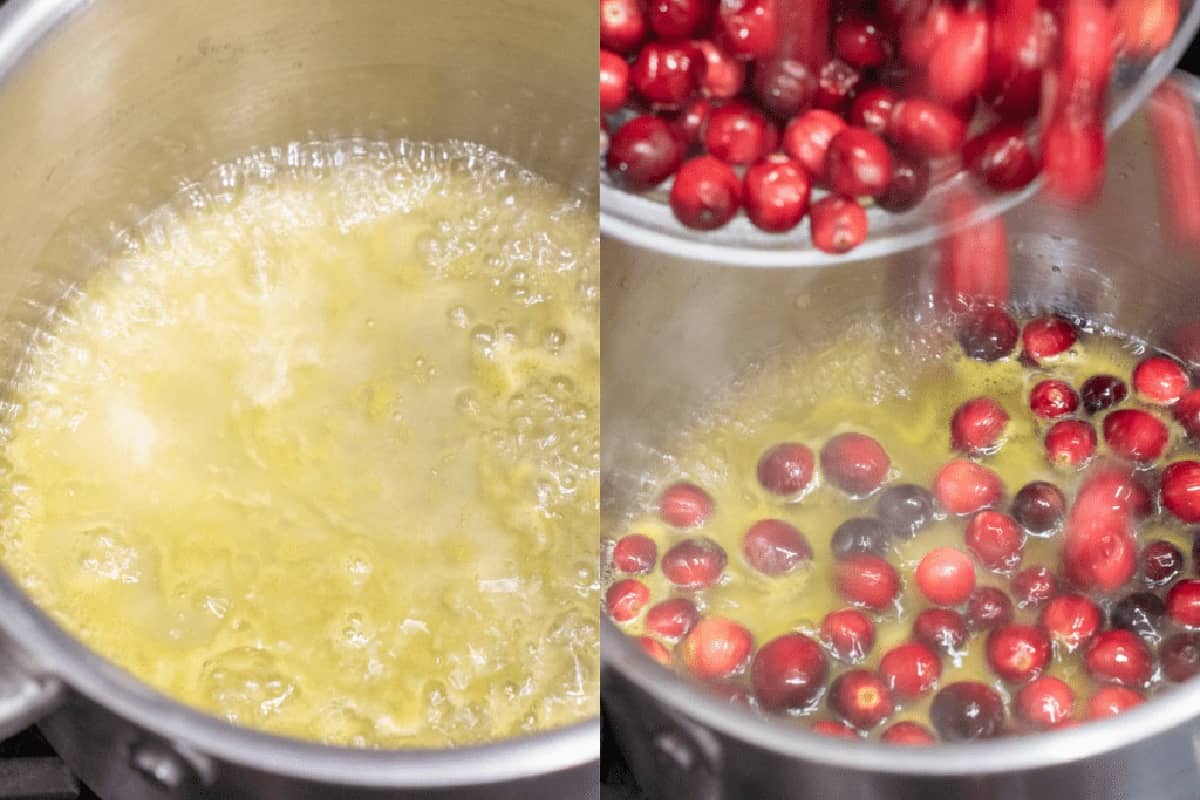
[1136, 435]
[1046, 337]
[946, 576]
[786, 469]
[1033, 586]
[736, 133]
[860, 535]
[1181, 490]
[872, 109]
[1180, 657]
[1159, 379]
[1070, 443]
[854, 462]
[1039, 507]
[706, 193]
[1073, 161]
[987, 334]
[634, 554]
[1183, 603]
[964, 487]
[748, 28]
[1118, 656]
[716, 647]
[977, 425]
[672, 619]
[784, 86]
[1187, 412]
[719, 75]
[678, 19]
[909, 184]
[1022, 38]
[996, 540]
[860, 41]
[1108, 701]
[907, 732]
[685, 505]
[834, 730]
[925, 128]
[644, 152]
[867, 580]
[692, 118]
[1046, 702]
[788, 672]
[626, 599]
[941, 629]
[861, 698]
[773, 547]
[622, 25]
[987, 608]
[839, 224]
[905, 508]
[1140, 612]
[836, 82]
[957, 65]
[1071, 620]
[1001, 157]
[910, 669]
[665, 74]
[1018, 653]
[807, 138]
[1052, 398]
[858, 163]
[614, 82]
[1161, 562]
[849, 634]
[655, 649]
[777, 192]
[967, 710]
[694, 563]
[1101, 392]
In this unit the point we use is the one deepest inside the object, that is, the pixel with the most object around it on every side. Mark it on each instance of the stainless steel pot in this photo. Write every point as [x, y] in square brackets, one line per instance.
[675, 331]
[106, 106]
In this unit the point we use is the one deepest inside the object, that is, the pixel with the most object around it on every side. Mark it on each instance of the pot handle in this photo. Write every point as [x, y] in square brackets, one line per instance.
[25, 697]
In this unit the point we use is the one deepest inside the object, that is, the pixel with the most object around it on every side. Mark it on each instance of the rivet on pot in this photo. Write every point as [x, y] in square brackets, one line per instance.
[167, 769]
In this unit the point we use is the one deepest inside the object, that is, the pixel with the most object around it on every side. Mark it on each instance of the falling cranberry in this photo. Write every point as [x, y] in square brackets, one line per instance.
[786, 469]
[716, 647]
[644, 152]
[807, 138]
[946, 576]
[718, 74]
[1039, 507]
[836, 82]
[1070, 443]
[987, 608]
[626, 599]
[1001, 157]
[635, 554]
[1160, 380]
[706, 193]
[861, 698]
[788, 672]
[941, 629]
[1101, 392]
[1145, 27]
[909, 184]
[1018, 653]
[1021, 42]
[694, 563]
[784, 86]
[1071, 620]
[987, 334]
[967, 710]
[1118, 656]
[834, 730]
[1073, 161]
[1187, 412]
[1183, 603]
[677, 19]
[672, 619]
[957, 66]
[1108, 701]
[854, 462]
[776, 193]
[1033, 586]
[773, 547]
[1052, 398]
[1136, 435]
[655, 649]
[685, 505]
[622, 25]
[1161, 562]
[665, 74]
[905, 508]
[977, 425]
[1180, 490]
[910, 669]
[858, 163]
[1180, 657]
[1046, 337]
[996, 540]
[614, 82]
[867, 580]
[748, 28]
[1045, 702]
[849, 634]
[964, 487]
[872, 110]
[860, 41]
[925, 128]
[839, 224]
[860, 535]
[1100, 555]
[1140, 612]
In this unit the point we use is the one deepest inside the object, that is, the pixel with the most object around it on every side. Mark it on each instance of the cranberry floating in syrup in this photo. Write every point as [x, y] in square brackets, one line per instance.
[672, 619]
[977, 425]
[774, 547]
[694, 563]
[854, 462]
[861, 698]
[716, 647]
[966, 711]
[788, 672]
[685, 505]
[849, 634]
[634, 554]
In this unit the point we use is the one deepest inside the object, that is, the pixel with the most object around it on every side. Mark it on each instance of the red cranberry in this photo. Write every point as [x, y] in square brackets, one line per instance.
[1018, 653]
[614, 82]
[1160, 380]
[905, 508]
[861, 698]
[788, 672]
[1046, 702]
[1087, 38]
[635, 554]
[1118, 656]
[996, 540]
[694, 563]
[665, 74]
[967, 710]
[748, 28]
[1140, 612]
[786, 469]
[1183, 603]
[1108, 701]
[626, 599]
[1111, 491]
[1187, 412]
[1180, 657]
[957, 65]
[706, 193]
[910, 669]
[655, 649]
[672, 619]
[940, 629]
[1070, 443]
[987, 608]
[964, 487]
[910, 182]
[807, 138]
[1181, 490]
[1001, 157]
[622, 25]
[718, 74]
[692, 118]
[1022, 38]
[784, 86]
[834, 730]
[977, 425]
[987, 334]
[836, 82]
[1101, 392]
[678, 19]
[907, 732]
[1073, 161]
[1052, 398]
[777, 191]
[1039, 507]
[1046, 337]
[860, 535]
[773, 547]
[736, 133]
[1033, 586]
[1136, 435]
[685, 505]
[973, 276]
[946, 576]
[1161, 562]
[1099, 556]
[1145, 27]
[923, 26]
[867, 580]
[854, 462]
[716, 647]
[1071, 620]
[839, 224]
[644, 152]
[872, 109]
[924, 128]
[860, 42]
[858, 163]
[849, 634]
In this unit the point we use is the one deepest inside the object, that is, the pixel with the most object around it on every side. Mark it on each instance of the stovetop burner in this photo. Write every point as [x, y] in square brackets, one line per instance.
[30, 770]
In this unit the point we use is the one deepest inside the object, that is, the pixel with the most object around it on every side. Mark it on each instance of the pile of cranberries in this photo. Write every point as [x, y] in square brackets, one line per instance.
[753, 104]
[1120, 607]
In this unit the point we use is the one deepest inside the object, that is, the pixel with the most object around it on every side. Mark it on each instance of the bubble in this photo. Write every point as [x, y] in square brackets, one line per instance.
[459, 316]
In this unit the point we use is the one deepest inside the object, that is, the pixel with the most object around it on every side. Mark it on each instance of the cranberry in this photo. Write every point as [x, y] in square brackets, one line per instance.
[1046, 337]
[1022, 37]
[1039, 507]
[1118, 656]
[973, 268]
[718, 74]
[867, 580]
[996, 540]
[849, 634]
[905, 508]
[634, 554]
[861, 698]
[716, 647]
[1046, 702]
[1087, 39]
[1180, 657]
[678, 19]
[836, 82]
[1145, 27]
[1187, 412]
[941, 629]
[622, 25]
[1099, 556]
[964, 487]
[1140, 612]
[626, 599]
[860, 535]
[692, 118]
[910, 182]
[1183, 603]
[860, 42]
[706, 193]
[834, 730]
[672, 619]
[907, 732]
[967, 710]
[854, 462]
[777, 191]
[1071, 620]
[788, 672]
[1033, 586]
[987, 334]
[1161, 562]
[1052, 398]
[685, 505]
[923, 26]
[748, 28]
[1108, 701]
[1111, 491]
[872, 109]
[1101, 392]
[655, 649]
[910, 669]
[614, 82]
[1073, 161]
[946, 576]
[784, 86]
[1001, 157]
[694, 563]
[644, 152]
[1160, 380]
[773, 547]
[924, 128]
[665, 74]
[807, 138]
[786, 469]
[736, 133]
[839, 224]
[858, 163]
[1135, 435]
[957, 65]
[1181, 490]
[987, 608]
[977, 425]
[1070, 443]
[1018, 653]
